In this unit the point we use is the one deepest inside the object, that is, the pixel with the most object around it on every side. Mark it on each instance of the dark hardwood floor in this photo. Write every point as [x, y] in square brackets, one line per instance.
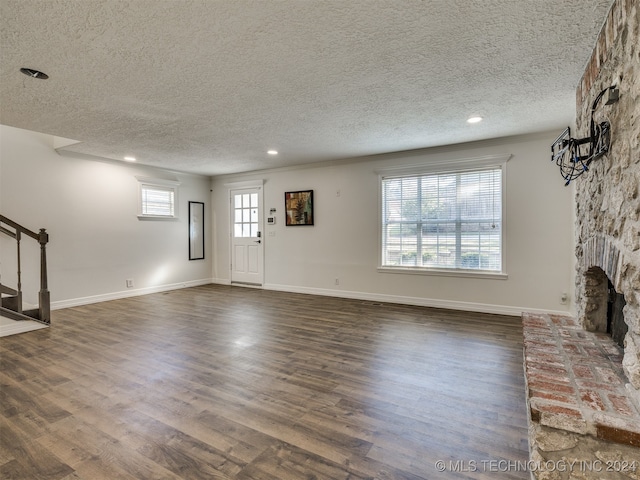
[220, 382]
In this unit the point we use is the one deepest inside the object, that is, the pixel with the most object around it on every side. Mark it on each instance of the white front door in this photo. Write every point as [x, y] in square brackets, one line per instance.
[246, 236]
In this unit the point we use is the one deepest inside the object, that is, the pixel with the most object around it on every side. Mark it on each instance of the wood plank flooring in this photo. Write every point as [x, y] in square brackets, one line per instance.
[220, 382]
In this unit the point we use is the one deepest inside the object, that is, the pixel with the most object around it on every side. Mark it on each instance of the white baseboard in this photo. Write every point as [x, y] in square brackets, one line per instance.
[75, 302]
[418, 301]
[371, 297]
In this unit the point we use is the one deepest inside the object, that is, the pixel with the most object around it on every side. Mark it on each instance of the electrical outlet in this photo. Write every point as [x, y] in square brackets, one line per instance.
[337, 281]
[564, 298]
[129, 282]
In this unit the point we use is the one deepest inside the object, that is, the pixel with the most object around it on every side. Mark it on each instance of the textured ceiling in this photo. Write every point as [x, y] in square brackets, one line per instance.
[208, 86]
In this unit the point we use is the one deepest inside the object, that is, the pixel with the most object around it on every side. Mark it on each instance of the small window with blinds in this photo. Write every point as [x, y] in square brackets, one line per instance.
[158, 198]
[443, 221]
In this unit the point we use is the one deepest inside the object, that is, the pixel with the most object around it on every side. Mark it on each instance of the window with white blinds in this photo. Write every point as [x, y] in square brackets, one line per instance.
[158, 198]
[158, 201]
[443, 221]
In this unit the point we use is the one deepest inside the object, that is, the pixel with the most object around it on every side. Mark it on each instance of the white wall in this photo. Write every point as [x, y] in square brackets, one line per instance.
[344, 241]
[89, 209]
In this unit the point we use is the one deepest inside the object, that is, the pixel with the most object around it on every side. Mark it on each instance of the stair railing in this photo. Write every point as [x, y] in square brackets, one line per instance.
[15, 231]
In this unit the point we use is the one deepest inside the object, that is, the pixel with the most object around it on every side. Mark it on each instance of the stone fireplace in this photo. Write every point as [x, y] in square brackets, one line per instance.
[608, 195]
[583, 389]
[603, 270]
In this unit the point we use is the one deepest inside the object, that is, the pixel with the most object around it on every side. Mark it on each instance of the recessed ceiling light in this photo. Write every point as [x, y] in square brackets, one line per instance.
[130, 159]
[30, 72]
[474, 119]
[272, 152]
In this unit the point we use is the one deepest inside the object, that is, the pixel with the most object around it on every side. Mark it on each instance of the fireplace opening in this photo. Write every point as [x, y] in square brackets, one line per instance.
[616, 326]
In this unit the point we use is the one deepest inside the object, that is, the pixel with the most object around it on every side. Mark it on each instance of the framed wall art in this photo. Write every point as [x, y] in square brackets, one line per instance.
[299, 207]
[196, 230]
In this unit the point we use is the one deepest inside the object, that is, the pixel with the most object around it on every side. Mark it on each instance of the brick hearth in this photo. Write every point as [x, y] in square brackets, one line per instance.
[579, 406]
[575, 380]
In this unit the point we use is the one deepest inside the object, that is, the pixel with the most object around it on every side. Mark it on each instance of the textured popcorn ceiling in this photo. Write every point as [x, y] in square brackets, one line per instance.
[209, 86]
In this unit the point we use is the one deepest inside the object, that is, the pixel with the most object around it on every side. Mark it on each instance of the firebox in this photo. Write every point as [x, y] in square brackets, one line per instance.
[616, 326]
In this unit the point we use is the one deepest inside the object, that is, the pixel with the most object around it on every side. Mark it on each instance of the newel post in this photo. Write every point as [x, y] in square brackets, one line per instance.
[44, 300]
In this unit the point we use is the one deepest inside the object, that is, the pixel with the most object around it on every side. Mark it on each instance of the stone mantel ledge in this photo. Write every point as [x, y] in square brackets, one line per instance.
[575, 382]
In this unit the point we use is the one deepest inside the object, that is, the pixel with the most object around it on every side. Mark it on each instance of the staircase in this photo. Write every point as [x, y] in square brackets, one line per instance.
[11, 305]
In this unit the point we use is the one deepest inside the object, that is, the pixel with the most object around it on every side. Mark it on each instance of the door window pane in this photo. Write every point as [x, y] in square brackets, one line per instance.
[245, 215]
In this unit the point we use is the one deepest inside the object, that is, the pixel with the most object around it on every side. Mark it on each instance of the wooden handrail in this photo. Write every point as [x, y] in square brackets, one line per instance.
[42, 237]
[8, 232]
[18, 227]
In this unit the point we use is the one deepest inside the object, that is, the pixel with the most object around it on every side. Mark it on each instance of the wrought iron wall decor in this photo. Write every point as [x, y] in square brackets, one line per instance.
[574, 155]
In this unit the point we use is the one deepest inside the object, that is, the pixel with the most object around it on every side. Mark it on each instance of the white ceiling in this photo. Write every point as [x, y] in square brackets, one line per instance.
[208, 86]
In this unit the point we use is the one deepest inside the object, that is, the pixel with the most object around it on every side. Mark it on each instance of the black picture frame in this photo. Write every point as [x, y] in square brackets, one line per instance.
[298, 207]
[196, 230]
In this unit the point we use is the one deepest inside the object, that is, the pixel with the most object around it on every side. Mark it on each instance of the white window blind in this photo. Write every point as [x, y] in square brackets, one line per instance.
[158, 201]
[447, 220]
[158, 198]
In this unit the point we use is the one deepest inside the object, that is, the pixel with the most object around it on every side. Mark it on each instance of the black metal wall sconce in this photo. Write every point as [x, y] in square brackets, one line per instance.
[574, 155]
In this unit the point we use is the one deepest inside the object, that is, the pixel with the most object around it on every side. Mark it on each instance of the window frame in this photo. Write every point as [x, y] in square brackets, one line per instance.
[446, 166]
[158, 184]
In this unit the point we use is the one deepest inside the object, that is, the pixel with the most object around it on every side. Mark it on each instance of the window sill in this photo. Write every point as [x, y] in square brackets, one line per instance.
[155, 217]
[444, 273]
